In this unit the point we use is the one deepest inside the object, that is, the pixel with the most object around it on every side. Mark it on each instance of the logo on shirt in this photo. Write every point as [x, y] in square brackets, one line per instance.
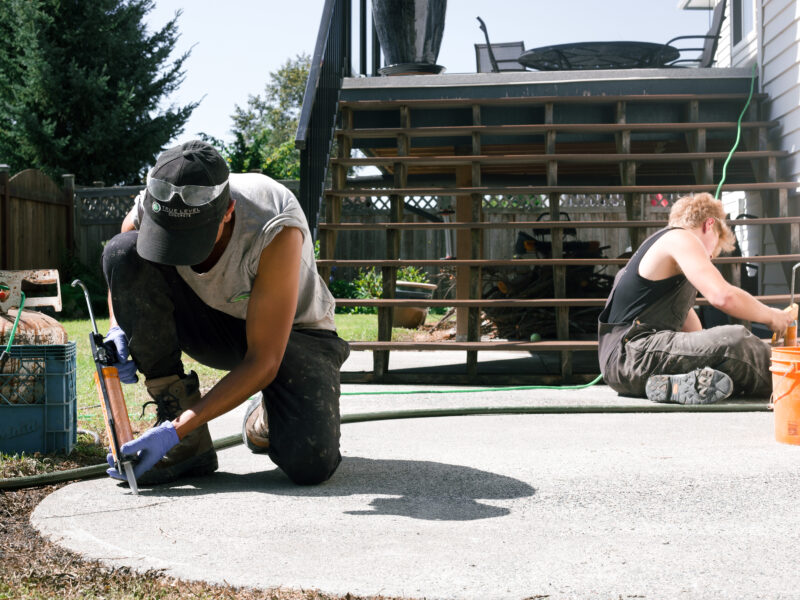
[239, 297]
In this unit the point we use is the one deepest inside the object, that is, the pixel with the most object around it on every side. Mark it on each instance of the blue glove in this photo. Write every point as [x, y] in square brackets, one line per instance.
[125, 366]
[149, 448]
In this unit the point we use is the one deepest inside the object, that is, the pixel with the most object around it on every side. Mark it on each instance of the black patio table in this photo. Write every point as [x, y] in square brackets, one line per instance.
[599, 55]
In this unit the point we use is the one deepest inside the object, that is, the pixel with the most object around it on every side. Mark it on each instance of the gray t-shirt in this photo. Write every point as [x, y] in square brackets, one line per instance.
[263, 208]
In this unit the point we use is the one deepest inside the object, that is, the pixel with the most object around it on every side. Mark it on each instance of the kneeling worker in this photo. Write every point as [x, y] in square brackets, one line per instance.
[651, 342]
[221, 267]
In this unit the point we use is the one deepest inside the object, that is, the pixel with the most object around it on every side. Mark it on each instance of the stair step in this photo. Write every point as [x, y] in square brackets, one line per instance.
[542, 128]
[542, 262]
[539, 224]
[453, 303]
[563, 189]
[443, 104]
[543, 346]
[776, 299]
[522, 159]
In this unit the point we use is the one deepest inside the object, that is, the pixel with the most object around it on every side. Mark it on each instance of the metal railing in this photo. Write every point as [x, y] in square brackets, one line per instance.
[329, 65]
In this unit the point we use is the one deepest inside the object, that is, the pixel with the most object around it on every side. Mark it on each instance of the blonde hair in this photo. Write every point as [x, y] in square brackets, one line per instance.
[691, 212]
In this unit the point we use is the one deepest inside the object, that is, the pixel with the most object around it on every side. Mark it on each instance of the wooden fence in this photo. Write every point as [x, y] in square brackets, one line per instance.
[42, 224]
[37, 223]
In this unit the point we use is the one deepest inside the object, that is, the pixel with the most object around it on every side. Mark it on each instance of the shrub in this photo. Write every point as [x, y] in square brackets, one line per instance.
[412, 274]
[73, 301]
[369, 284]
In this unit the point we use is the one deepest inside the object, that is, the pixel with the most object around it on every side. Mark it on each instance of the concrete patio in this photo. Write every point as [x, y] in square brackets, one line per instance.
[564, 505]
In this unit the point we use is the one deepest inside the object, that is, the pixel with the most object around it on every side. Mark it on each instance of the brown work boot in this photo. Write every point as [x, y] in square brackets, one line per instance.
[194, 454]
[255, 431]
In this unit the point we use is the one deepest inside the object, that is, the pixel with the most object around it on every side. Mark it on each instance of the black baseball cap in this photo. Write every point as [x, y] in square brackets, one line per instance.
[172, 232]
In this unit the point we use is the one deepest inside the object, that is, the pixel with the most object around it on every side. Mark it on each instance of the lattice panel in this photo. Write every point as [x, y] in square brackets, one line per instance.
[96, 206]
[515, 202]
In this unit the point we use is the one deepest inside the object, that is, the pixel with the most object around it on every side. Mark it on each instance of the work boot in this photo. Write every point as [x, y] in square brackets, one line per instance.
[701, 386]
[194, 454]
[255, 432]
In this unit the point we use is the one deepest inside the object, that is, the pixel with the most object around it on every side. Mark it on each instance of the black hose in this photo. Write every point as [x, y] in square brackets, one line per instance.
[16, 483]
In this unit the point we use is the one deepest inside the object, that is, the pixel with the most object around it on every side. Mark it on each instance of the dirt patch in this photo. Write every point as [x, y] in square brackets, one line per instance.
[445, 329]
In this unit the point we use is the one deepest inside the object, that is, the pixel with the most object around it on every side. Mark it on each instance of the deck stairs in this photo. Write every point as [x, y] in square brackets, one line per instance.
[640, 147]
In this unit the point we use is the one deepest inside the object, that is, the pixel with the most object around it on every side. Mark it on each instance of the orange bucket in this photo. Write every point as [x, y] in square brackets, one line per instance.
[785, 399]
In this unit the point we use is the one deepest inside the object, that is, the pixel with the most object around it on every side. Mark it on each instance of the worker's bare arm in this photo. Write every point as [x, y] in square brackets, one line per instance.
[692, 259]
[127, 222]
[270, 312]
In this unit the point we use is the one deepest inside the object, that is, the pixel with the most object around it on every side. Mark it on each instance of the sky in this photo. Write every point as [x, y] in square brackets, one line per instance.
[236, 45]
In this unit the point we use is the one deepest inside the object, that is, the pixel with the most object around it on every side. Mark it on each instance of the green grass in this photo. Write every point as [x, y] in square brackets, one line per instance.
[363, 328]
[90, 417]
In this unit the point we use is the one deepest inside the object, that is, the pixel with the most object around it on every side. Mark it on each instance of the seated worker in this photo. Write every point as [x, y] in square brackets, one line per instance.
[221, 267]
[651, 342]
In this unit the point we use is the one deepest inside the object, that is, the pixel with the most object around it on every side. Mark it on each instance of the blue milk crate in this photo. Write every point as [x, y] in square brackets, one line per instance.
[38, 399]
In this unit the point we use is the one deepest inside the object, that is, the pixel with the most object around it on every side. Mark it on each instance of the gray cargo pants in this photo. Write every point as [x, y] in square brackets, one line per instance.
[643, 351]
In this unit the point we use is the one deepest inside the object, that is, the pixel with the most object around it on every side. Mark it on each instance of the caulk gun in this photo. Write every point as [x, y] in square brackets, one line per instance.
[115, 413]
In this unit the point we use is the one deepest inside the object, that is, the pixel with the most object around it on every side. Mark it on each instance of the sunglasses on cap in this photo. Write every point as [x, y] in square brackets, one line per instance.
[192, 195]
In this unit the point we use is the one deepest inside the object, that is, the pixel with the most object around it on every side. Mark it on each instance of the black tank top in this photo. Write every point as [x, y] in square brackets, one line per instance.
[632, 293]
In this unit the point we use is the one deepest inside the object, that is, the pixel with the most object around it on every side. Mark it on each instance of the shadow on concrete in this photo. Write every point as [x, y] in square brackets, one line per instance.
[408, 488]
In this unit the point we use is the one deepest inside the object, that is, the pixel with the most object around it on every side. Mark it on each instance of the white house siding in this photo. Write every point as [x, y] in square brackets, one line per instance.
[780, 75]
[745, 53]
[723, 57]
[774, 45]
[780, 78]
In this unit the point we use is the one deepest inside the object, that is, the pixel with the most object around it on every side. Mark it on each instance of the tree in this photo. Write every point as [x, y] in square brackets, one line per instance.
[264, 130]
[81, 88]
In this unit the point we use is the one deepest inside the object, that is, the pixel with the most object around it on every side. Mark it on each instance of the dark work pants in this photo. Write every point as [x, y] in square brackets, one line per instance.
[163, 317]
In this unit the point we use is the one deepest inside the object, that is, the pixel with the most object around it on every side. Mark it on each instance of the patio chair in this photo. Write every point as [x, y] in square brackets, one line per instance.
[709, 47]
[493, 58]
[505, 55]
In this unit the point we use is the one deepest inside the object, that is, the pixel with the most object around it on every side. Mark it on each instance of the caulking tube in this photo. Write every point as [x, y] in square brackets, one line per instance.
[790, 337]
[118, 425]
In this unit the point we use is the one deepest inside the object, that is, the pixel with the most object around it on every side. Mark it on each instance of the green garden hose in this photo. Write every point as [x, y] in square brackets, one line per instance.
[4, 354]
[738, 134]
